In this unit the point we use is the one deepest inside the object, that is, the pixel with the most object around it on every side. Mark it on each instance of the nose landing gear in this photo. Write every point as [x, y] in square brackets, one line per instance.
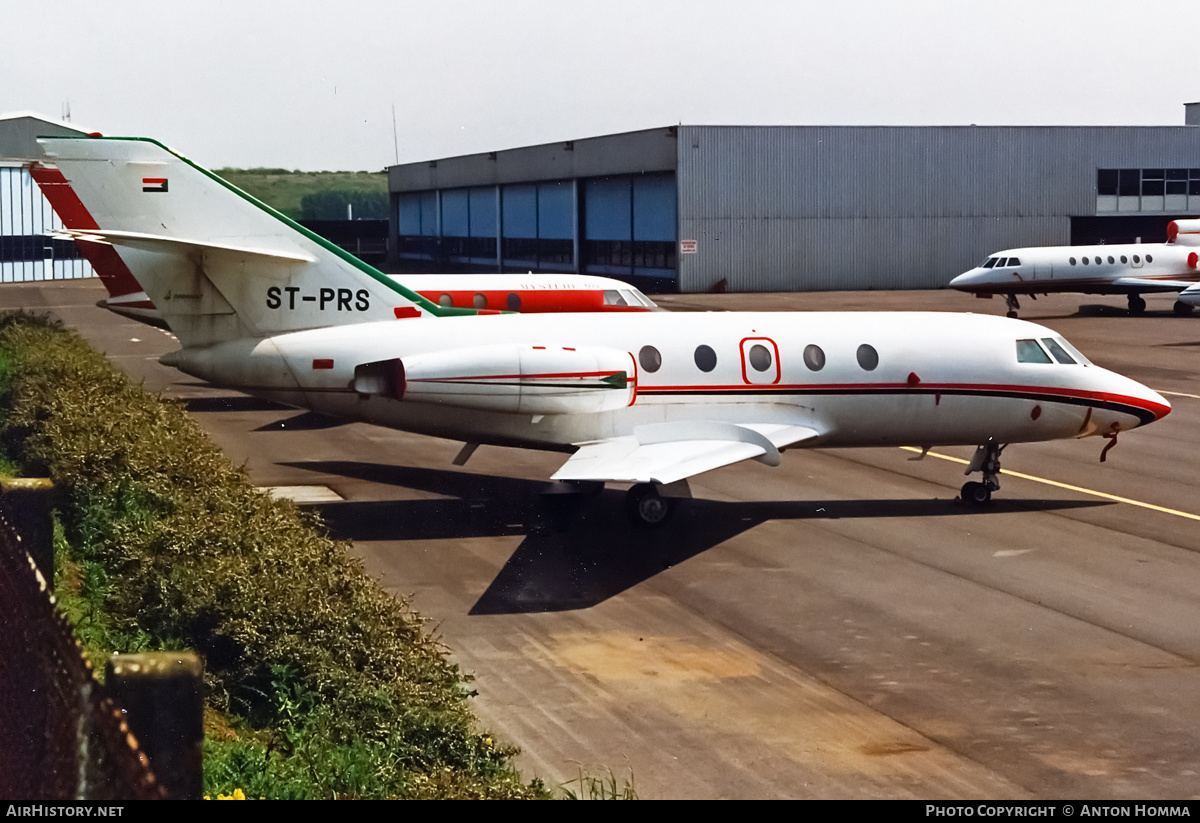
[1013, 305]
[987, 461]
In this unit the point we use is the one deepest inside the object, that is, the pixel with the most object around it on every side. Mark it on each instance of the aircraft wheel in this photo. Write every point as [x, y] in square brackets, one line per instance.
[1136, 304]
[1010, 313]
[646, 507]
[1182, 309]
[976, 494]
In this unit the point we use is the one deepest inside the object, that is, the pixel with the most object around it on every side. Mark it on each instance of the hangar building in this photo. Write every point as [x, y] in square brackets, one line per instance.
[28, 251]
[792, 208]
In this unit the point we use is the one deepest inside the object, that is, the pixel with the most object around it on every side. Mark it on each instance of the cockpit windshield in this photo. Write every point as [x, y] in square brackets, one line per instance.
[987, 264]
[1033, 351]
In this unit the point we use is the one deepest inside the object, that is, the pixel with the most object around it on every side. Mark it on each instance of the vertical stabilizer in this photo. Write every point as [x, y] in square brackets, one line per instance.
[217, 263]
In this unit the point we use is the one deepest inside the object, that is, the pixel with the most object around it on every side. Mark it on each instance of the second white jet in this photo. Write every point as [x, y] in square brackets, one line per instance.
[1132, 269]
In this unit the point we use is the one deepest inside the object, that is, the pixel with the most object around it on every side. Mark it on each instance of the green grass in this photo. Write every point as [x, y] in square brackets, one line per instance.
[286, 190]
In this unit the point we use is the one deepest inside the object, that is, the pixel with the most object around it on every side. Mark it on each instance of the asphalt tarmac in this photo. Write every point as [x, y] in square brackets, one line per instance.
[838, 627]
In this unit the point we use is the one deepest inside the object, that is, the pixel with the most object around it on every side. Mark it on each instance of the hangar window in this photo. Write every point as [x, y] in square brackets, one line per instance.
[1177, 181]
[1028, 351]
[1060, 354]
[706, 358]
[814, 357]
[1152, 182]
[868, 358]
[650, 359]
[1106, 182]
[760, 357]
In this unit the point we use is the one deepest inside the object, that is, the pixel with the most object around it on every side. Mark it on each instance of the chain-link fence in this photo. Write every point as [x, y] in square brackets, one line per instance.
[61, 738]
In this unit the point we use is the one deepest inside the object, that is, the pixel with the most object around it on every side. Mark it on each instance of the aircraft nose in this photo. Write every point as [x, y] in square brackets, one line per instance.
[1143, 402]
[967, 279]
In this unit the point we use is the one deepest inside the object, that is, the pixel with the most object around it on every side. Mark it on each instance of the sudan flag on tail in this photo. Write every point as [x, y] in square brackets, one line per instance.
[154, 184]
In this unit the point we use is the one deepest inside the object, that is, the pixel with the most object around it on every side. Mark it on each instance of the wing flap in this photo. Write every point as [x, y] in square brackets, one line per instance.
[1152, 284]
[667, 452]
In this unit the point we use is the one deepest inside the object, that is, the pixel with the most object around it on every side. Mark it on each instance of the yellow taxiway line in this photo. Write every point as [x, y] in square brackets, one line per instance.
[1180, 394]
[1068, 486]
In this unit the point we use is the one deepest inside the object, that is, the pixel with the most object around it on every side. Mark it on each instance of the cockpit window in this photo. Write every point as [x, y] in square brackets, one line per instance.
[1028, 351]
[1060, 354]
[1002, 262]
[1014, 261]
[987, 264]
[612, 297]
[1075, 353]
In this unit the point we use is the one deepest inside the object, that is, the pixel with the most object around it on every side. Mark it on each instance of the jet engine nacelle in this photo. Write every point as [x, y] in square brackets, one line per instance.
[1184, 232]
[517, 379]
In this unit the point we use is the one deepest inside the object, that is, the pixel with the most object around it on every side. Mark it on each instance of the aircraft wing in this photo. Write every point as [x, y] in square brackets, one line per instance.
[666, 452]
[1150, 284]
[156, 242]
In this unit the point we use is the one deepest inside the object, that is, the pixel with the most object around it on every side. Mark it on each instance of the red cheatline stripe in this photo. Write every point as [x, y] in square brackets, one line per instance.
[153, 181]
[1157, 409]
[545, 376]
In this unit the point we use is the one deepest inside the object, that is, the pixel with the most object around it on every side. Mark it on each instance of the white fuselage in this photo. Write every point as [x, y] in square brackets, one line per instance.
[884, 378]
[1123, 269]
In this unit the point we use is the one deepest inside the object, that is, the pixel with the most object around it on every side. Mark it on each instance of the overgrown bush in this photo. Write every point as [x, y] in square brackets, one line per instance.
[337, 687]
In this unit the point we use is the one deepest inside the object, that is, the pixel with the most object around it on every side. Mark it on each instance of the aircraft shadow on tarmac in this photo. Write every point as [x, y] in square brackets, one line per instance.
[231, 403]
[580, 550]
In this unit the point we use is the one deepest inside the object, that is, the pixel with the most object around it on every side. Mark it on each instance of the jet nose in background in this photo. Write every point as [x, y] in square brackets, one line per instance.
[969, 279]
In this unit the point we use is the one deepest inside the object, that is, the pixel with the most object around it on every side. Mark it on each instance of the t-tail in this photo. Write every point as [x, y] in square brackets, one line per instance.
[219, 264]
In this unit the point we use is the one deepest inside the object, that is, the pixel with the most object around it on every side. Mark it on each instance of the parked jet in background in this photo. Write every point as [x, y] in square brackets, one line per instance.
[1133, 270]
[492, 292]
[650, 398]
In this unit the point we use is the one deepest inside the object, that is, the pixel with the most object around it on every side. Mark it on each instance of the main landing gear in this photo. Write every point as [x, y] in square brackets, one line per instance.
[1136, 304]
[1182, 309]
[987, 461]
[1013, 305]
[650, 505]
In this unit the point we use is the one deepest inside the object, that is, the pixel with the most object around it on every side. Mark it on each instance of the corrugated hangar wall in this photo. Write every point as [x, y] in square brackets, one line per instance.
[790, 208]
[826, 207]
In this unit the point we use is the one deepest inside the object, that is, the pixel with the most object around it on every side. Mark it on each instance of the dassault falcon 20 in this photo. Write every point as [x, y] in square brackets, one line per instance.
[648, 398]
[1132, 270]
[487, 292]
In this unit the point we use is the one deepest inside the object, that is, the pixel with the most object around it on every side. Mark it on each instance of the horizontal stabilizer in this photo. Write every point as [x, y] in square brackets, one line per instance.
[667, 452]
[160, 243]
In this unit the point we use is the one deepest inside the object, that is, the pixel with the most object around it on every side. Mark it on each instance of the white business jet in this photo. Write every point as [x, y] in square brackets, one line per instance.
[487, 292]
[1132, 270]
[649, 398]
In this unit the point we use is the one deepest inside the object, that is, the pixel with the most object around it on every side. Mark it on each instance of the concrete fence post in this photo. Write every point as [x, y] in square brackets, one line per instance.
[162, 696]
[28, 503]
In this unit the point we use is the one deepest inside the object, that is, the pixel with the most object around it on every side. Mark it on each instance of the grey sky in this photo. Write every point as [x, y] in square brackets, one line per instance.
[311, 85]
